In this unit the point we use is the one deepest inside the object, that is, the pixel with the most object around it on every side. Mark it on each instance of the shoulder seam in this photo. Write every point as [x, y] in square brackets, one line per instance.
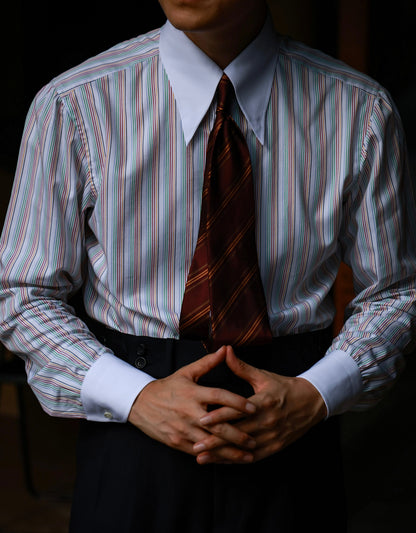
[342, 73]
[85, 71]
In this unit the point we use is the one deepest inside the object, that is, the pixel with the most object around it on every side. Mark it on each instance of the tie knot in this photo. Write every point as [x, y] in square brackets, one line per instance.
[225, 91]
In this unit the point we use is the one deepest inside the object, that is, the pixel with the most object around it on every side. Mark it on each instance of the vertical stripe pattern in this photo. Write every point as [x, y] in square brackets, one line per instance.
[107, 197]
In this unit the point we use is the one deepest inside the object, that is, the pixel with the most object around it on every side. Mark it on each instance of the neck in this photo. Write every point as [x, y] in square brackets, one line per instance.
[224, 44]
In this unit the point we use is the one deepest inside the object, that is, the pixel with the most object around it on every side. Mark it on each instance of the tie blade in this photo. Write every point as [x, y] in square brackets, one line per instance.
[224, 300]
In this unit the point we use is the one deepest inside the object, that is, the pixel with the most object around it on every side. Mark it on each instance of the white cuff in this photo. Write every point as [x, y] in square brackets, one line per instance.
[110, 387]
[338, 380]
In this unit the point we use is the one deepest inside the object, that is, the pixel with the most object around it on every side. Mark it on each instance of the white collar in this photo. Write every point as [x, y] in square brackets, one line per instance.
[194, 77]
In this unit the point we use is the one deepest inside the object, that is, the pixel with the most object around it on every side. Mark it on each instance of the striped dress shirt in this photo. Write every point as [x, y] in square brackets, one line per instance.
[107, 198]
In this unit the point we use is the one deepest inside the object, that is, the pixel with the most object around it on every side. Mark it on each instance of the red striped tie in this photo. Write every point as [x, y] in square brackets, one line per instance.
[224, 299]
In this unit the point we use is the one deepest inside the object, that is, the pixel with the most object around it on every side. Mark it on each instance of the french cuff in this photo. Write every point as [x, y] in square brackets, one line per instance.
[110, 387]
[338, 379]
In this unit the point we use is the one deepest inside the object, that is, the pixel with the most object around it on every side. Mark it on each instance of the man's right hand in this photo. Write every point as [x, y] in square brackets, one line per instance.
[169, 409]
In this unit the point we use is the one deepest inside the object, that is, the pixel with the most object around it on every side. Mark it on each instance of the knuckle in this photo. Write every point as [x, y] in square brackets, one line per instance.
[269, 401]
[216, 395]
[219, 429]
[177, 435]
[278, 446]
[241, 364]
[244, 439]
[269, 421]
[236, 455]
[175, 440]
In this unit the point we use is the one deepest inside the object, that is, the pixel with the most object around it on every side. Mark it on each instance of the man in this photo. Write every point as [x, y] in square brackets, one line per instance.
[108, 199]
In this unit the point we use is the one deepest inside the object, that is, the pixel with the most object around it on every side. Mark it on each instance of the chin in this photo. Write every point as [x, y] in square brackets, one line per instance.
[188, 23]
[191, 15]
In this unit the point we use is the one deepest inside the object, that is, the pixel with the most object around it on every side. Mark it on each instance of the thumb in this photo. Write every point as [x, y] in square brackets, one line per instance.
[202, 366]
[242, 369]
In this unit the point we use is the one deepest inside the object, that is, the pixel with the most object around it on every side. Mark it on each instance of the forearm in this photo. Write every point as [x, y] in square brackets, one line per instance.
[377, 337]
[70, 372]
[366, 357]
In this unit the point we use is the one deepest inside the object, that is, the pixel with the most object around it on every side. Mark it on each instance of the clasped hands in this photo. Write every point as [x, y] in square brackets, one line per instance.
[174, 410]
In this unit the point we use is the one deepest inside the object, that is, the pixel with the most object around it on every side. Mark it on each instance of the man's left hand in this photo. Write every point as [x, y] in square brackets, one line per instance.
[287, 408]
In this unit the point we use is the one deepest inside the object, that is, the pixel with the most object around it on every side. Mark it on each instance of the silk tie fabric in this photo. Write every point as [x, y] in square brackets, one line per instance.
[224, 299]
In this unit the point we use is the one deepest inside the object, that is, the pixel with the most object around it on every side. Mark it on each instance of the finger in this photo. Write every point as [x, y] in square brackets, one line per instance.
[246, 425]
[217, 396]
[223, 414]
[226, 455]
[225, 433]
[203, 365]
[243, 370]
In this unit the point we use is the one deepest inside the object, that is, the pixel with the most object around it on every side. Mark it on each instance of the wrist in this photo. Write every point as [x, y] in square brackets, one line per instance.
[314, 399]
[134, 416]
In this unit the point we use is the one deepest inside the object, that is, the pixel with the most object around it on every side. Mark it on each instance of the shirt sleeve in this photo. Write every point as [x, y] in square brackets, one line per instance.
[42, 263]
[338, 380]
[378, 243]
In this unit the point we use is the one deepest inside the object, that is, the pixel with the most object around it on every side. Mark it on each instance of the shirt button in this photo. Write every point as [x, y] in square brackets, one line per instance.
[140, 362]
[108, 415]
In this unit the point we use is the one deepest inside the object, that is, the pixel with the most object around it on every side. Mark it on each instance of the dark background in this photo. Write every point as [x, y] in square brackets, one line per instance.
[42, 39]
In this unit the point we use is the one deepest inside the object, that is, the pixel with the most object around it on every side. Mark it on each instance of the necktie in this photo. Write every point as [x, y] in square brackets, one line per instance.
[224, 299]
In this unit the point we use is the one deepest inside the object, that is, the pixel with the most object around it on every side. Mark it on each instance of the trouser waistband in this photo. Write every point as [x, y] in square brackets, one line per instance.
[286, 355]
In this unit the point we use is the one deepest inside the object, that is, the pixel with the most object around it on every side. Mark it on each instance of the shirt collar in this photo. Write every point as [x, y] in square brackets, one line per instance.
[194, 77]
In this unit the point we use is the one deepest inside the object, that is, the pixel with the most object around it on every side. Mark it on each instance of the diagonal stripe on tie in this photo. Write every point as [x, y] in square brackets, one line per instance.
[224, 299]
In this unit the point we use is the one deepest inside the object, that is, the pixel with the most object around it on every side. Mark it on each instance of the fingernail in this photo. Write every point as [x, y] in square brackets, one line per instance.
[203, 459]
[199, 447]
[248, 458]
[251, 444]
[206, 419]
[250, 407]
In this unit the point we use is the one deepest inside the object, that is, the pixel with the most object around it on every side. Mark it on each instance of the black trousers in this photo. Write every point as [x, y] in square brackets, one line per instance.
[127, 482]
